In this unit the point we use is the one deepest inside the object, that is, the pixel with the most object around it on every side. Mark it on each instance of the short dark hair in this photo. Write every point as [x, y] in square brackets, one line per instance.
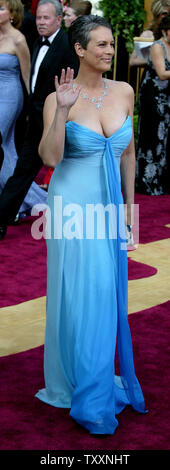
[165, 23]
[81, 7]
[81, 28]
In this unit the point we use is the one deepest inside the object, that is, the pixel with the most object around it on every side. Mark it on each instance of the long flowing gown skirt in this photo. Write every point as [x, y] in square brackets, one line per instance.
[87, 284]
[11, 103]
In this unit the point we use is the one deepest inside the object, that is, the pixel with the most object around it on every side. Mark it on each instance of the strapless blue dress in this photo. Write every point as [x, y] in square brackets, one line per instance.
[87, 285]
[11, 103]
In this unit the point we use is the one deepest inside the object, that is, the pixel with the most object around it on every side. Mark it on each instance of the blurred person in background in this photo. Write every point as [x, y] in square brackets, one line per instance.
[75, 9]
[14, 66]
[154, 118]
[28, 25]
[29, 30]
[159, 9]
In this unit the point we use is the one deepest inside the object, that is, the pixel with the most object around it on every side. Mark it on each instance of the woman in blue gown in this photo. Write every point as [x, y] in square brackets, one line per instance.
[14, 63]
[88, 139]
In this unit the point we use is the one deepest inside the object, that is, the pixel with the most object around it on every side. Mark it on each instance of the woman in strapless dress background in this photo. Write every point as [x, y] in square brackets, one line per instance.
[14, 63]
[88, 139]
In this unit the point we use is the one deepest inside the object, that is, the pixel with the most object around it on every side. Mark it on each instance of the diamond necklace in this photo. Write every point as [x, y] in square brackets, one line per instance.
[96, 101]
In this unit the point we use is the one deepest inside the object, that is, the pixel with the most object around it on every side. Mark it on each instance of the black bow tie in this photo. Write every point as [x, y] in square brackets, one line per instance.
[44, 43]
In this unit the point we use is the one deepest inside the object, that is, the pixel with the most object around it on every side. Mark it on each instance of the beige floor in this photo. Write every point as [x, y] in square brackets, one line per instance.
[22, 326]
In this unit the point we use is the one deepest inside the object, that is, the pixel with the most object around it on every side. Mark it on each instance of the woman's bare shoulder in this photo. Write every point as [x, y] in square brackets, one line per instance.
[18, 37]
[123, 87]
[156, 50]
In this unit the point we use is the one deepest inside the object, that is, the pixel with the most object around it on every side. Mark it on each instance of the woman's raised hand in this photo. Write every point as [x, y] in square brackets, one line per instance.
[66, 95]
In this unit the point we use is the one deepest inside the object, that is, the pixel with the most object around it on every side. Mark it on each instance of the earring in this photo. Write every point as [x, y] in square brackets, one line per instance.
[11, 20]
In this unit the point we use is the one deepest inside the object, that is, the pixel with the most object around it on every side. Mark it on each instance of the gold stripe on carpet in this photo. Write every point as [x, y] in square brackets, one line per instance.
[23, 325]
[154, 290]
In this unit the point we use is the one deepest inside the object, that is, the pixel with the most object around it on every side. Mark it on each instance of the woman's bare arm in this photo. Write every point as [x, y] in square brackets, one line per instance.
[158, 60]
[55, 114]
[127, 167]
[23, 55]
[134, 60]
[51, 146]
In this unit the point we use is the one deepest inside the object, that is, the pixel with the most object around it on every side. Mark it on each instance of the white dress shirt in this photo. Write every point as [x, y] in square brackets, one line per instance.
[43, 50]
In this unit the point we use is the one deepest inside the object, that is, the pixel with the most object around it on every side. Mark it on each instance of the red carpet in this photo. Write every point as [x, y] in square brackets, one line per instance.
[23, 259]
[23, 265]
[23, 269]
[154, 214]
[26, 423]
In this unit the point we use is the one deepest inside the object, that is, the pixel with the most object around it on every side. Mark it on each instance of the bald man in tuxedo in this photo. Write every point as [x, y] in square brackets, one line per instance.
[51, 54]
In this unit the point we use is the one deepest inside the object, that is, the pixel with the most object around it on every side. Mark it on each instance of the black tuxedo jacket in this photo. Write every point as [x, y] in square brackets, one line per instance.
[59, 56]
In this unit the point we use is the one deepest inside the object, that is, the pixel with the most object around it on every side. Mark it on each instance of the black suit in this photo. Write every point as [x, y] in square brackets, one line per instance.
[58, 56]
[28, 28]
